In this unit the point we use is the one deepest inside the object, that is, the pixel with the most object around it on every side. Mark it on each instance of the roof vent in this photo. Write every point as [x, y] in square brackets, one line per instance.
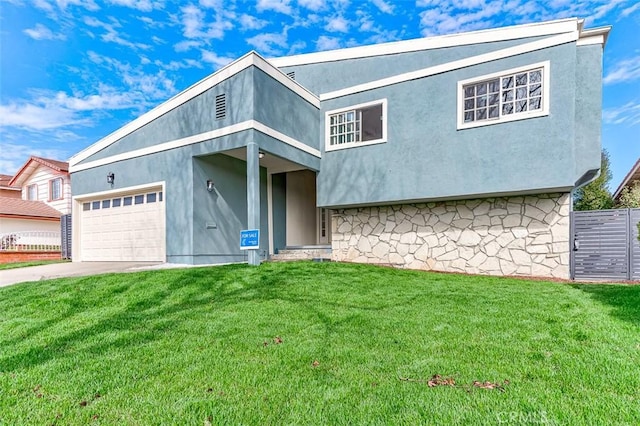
[221, 106]
[291, 75]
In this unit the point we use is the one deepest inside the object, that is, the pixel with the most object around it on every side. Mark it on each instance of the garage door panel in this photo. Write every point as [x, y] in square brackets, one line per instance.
[124, 231]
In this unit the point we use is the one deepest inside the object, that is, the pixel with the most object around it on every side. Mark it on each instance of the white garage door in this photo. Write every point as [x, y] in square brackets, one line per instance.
[127, 227]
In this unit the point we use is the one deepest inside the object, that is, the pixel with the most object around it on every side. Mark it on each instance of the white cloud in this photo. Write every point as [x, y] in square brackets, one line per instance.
[269, 43]
[248, 22]
[627, 114]
[213, 58]
[193, 21]
[195, 27]
[185, 45]
[623, 71]
[36, 116]
[142, 5]
[281, 6]
[314, 5]
[40, 32]
[112, 35]
[383, 6]
[337, 24]
[628, 11]
[327, 43]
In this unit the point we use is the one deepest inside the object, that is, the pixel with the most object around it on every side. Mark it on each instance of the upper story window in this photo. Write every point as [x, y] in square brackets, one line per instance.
[358, 125]
[32, 192]
[509, 95]
[55, 189]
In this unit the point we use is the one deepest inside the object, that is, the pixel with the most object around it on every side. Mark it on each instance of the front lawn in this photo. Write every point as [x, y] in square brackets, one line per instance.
[15, 265]
[317, 343]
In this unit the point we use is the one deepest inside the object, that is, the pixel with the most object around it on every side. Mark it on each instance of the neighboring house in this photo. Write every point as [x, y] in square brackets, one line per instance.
[46, 180]
[8, 191]
[453, 153]
[631, 179]
[32, 218]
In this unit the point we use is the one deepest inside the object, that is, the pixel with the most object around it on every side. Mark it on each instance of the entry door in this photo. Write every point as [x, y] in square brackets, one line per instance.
[324, 226]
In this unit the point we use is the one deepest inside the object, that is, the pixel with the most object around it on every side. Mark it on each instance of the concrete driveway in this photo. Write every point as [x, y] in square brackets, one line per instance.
[70, 269]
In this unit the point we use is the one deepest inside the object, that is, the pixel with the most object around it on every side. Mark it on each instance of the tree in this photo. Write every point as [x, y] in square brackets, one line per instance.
[630, 197]
[596, 195]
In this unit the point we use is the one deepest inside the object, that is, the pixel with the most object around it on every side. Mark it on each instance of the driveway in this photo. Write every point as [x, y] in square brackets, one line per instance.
[70, 269]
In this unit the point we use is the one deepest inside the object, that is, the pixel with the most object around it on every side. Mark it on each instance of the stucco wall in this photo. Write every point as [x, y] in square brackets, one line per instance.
[496, 236]
[427, 157]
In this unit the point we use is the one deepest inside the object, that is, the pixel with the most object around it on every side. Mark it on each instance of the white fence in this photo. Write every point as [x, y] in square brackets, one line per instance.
[30, 241]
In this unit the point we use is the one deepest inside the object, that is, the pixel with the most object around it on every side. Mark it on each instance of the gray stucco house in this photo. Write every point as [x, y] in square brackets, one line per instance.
[454, 153]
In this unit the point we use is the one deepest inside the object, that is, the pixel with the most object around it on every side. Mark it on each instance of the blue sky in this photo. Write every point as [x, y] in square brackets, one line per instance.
[73, 71]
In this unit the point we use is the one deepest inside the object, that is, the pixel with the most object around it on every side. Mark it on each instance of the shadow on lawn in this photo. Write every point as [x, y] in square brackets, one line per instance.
[625, 299]
[158, 307]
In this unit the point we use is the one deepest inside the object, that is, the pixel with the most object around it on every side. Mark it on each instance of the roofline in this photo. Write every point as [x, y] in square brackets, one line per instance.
[626, 179]
[427, 43]
[10, 188]
[250, 59]
[27, 217]
[40, 160]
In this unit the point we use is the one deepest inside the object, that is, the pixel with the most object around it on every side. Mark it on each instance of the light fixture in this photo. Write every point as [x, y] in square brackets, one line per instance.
[209, 185]
[260, 155]
[110, 178]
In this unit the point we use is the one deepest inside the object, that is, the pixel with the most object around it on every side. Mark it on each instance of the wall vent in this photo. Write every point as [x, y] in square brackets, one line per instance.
[221, 106]
[291, 75]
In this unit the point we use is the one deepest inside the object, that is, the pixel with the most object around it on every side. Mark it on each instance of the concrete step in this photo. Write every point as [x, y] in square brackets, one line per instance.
[303, 252]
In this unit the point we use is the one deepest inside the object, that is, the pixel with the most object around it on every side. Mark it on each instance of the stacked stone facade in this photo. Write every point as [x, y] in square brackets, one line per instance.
[526, 235]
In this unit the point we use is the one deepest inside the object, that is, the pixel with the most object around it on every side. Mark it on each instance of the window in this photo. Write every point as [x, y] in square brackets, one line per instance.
[139, 199]
[359, 125]
[106, 204]
[95, 205]
[55, 189]
[126, 201]
[116, 202]
[86, 207]
[151, 198]
[32, 192]
[506, 96]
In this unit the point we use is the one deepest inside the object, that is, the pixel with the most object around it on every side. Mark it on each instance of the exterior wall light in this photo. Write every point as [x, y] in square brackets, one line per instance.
[260, 155]
[209, 185]
[110, 178]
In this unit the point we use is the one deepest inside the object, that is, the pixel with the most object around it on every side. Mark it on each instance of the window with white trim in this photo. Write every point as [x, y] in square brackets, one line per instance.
[32, 192]
[357, 125]
[55, 189]
[505, 96]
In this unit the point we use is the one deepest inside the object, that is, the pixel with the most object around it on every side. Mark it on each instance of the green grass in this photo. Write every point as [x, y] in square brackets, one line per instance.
[15, 265]
[196, 346]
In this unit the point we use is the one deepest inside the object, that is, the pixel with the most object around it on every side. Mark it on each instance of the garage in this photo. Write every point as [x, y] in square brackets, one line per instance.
[128, 226]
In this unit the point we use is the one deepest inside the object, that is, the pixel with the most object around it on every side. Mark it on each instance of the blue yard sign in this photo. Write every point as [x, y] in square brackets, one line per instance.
[249, 239]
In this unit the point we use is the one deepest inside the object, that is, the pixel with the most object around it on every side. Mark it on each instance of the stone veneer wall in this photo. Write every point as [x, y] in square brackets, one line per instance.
[526, 235]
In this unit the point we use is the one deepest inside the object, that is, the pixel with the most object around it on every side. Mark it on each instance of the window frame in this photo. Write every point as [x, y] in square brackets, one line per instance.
[327, 126]
[33, 186]
[51, 183]
[516, 116]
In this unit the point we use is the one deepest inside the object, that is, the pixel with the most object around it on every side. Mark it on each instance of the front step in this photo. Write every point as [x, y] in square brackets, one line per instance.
[302, 253]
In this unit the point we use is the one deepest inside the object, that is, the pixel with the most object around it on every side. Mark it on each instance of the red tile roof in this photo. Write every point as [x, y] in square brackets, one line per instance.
[18, 207]
[4, 181]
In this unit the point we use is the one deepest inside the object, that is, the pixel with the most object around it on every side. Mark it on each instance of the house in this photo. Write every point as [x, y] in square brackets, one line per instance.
[31, 204]
[454, 153]
[45, 180]
[630, 180]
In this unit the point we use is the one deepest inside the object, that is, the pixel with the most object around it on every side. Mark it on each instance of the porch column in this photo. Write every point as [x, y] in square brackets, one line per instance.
[253, 196]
